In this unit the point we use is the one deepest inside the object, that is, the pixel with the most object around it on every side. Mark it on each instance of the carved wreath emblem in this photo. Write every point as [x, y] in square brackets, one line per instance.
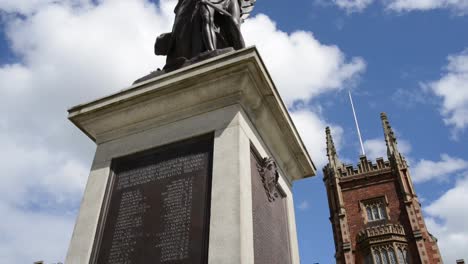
[269, 173]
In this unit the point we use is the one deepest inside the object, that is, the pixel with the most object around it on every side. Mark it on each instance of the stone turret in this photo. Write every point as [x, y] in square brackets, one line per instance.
[393, 153]
[332, 173]
[333, 159]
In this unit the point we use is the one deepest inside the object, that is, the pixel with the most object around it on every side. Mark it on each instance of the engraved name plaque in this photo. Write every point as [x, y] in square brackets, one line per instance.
[158, 206]
[270, 222]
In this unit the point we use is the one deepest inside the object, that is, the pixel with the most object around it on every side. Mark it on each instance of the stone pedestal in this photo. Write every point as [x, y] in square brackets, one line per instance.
[230, 102]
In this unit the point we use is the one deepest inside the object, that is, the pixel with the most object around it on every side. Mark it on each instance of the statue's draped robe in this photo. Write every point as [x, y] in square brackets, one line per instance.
[186, 39]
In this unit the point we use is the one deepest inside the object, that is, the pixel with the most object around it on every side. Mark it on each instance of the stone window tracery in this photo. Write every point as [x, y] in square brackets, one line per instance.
[391, 256]
[375, 210]
[402, 253]
[384, 255]
[384, 242]
[376, 255]
[388, 254]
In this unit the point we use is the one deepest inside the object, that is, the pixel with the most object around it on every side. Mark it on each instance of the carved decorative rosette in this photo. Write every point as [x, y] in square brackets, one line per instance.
[269, 173]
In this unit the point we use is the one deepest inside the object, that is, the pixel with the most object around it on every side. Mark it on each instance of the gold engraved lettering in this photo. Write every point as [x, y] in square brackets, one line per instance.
[175, 237]
[128, 227]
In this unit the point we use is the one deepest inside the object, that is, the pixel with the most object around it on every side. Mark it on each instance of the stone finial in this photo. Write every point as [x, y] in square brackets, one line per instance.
[391, 141]
[390, 138]
[333, 159]
[331, 151]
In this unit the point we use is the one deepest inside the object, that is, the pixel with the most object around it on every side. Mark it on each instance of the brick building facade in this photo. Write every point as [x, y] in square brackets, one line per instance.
[374, 210]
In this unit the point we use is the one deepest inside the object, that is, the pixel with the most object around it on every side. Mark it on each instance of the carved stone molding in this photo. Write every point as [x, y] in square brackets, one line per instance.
[382, 233]
[269, 173]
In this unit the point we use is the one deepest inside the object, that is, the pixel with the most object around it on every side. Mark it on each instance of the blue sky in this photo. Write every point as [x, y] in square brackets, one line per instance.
[404, 57]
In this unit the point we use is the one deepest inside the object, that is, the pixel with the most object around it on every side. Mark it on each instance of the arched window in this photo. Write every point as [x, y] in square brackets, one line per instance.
[382, 212]
[376, 254]
[375, 209]
[402, 254]
[375, 212]
[391, 256]
[369, 213]
[401, 257]
[406, 255]
[384, 256]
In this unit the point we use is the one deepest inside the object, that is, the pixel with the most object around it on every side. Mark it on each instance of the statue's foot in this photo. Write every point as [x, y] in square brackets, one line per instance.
[174, 65]
[181, 62]
[210, 54]
[152, 75]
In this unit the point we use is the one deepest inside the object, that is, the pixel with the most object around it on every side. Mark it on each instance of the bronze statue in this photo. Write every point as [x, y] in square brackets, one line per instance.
[202, 29]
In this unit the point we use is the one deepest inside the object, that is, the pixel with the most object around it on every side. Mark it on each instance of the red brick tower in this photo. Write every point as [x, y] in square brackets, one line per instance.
[374, 210]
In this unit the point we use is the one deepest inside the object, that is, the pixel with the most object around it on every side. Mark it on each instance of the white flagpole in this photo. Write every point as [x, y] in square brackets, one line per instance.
[357, 124]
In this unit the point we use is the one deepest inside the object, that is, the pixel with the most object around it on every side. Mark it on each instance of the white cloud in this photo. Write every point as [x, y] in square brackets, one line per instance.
[31, 235]
[376, 148]
[303, 206]
[426, 170]
[312, 130]
[73, 51]
[23, 6]
[447, 220]
[70, 53]
[460, 7]
[353, 5]
[35, 170]
[453, 89]
[301, 66]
